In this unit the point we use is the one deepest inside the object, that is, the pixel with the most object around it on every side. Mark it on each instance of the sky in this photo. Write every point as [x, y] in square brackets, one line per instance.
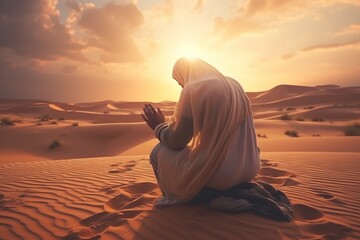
[124, 50]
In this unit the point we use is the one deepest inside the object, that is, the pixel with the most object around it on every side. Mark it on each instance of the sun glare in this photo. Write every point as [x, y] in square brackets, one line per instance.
[188, 51]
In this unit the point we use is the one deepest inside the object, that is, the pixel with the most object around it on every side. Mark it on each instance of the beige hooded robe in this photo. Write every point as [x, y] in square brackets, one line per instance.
[222, 124]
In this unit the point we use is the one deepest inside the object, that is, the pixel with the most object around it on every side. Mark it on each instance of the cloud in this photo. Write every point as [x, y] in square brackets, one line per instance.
[259, 6]
[5, 64]
[352, 2]
[320, 47]
[228, 29]
[288, 56]
[247, 18]
[32, 29]
[166, 9]
[199, 5]
[73, 5]
[331, 46]
[68, 68]
[350, 30]
[111, 28]
[27, 83]
[257, 15]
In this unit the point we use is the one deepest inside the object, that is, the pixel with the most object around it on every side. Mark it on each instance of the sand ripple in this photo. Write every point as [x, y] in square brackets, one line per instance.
[112, 198]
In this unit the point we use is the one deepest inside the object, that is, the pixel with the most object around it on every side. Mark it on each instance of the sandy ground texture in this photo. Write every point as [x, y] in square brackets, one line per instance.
[81, 170]
[113, 197]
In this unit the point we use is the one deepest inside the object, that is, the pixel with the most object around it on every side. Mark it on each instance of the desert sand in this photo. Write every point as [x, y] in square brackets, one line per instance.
[81, 170]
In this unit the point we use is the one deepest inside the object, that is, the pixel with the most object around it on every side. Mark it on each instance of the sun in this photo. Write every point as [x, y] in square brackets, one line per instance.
[188, 51]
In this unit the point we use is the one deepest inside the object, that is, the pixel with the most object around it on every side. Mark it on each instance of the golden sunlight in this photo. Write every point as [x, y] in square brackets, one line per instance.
[111, 110]
[188, 51]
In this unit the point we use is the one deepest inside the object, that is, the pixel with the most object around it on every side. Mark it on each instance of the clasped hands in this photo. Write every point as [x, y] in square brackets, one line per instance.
[152, 116]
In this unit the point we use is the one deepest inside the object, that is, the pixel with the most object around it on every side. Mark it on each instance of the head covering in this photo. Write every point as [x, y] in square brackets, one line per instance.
[188, 70]
[217, 105]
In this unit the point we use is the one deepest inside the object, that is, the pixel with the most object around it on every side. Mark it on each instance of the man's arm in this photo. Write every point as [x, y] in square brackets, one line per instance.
[175, 137]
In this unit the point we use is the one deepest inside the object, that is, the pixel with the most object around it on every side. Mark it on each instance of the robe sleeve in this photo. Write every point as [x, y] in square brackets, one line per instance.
[179, 131]
[175, 138]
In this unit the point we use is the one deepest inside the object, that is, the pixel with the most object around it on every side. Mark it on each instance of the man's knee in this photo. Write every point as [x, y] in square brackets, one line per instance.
[154, 153]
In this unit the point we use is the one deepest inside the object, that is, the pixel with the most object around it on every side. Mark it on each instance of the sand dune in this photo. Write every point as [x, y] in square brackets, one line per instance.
[55, 112]
[298, 96]
[313, 100]
[108, 106]
[330, 113]
[86, 140]
[28, 108]
[112, 107]
[56, 107]
[277, 143]
[140, 105]
[324, 103]
[102, 112]
[322, 113]
[310, 144]
[83, 189]
[67, 106]
[282, 92]
[113, 198]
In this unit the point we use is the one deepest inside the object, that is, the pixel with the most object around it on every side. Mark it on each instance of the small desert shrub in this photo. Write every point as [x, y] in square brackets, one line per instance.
[311, 107]
[316, 135]
[54, 144]
[75, 124]
[285, 117]
[61, 119]
[291, 108]
[53, 122]
[352, 130]
[291, 133]
[45, 118]
[317, 119]
[7, 121]
[106, 112]
[261, 135]
[300, 119]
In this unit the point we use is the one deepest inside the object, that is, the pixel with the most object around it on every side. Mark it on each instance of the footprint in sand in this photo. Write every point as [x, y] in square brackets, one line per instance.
[278, 181]
[109, 189]
[133, 196]
[130, 165]
[305, 212]
[328, 230]
[124, 168]
[94, 225]
[328, 196]
[9, 203]
[312, 220]
[24, 195]
[276, 176]
[267, 163]
[133, 200]
[275, 172]
[117, 170]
